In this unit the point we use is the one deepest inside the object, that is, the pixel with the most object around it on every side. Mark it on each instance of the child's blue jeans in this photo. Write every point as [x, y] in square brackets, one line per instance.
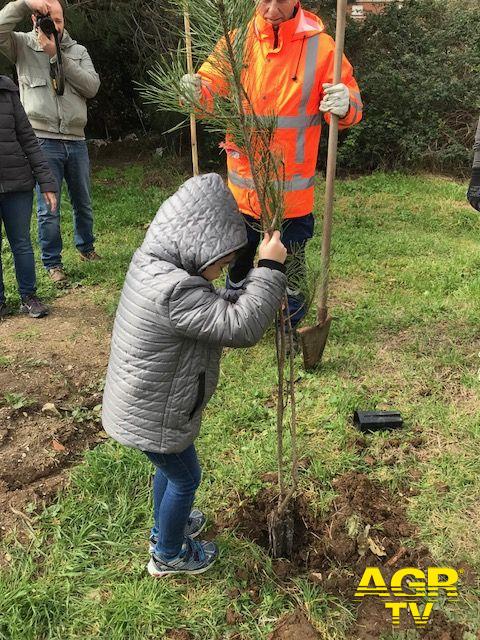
[175, 482]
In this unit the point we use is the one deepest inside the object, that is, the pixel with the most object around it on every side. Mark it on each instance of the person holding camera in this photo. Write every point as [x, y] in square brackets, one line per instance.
[22, 163]
[473, 193]
[58, 116]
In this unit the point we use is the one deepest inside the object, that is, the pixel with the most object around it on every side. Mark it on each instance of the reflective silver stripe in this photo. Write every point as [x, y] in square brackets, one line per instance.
[291, 122]
[356, 110]
[299, 122]
[297, 183]
[356, 95]
[308, 82]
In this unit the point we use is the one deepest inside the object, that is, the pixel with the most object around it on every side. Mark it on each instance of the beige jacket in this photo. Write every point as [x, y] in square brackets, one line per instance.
[46, 111]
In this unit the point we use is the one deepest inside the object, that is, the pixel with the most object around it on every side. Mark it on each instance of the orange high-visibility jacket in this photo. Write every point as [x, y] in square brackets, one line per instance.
[284, 78]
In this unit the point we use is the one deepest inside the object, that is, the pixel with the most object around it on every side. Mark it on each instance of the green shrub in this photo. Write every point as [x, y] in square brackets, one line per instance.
[418, 67]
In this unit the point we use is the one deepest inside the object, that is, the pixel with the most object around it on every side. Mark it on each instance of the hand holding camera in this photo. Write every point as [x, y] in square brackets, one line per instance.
[47, 43]
[38, 6]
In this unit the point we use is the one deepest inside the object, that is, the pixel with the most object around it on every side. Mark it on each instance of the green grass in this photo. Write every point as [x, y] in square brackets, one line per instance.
[406, 301]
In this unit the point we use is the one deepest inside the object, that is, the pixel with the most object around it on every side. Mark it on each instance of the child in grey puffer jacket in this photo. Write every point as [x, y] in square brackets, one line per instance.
[170, 327]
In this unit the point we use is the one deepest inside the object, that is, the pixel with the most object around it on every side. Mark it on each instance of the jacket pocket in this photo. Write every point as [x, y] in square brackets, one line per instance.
[38, 99]
[200, 394]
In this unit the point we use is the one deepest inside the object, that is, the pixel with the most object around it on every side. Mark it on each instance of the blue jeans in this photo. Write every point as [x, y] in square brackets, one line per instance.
[16, 213]
[67, 160]
[295, 234]
[176, 480]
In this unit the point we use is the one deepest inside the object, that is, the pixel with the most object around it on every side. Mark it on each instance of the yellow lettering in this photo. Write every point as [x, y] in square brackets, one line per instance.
[420, 619]
[416, 589]
[378, 588]
[395, 607]
[442, 578]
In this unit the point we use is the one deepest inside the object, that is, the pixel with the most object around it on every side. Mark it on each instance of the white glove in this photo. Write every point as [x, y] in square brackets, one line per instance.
[191, 86]
[336, 99]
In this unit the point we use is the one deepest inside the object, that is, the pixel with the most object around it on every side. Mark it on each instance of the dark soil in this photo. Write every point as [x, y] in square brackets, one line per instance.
[51, 376]
[366, 526]
[295, 626]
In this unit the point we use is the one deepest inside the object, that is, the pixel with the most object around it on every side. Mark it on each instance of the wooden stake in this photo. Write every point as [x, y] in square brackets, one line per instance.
[193, 123]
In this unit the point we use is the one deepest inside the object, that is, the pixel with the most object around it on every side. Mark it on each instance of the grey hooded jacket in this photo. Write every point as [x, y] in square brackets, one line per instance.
[171, 323]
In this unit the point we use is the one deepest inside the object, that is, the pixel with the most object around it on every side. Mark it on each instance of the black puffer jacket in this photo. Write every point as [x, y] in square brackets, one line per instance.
[21, 159]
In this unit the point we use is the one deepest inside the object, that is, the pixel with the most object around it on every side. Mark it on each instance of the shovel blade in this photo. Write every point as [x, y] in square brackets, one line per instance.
[313, 340]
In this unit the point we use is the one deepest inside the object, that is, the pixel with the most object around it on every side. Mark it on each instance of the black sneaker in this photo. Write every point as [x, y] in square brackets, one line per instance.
[4, 310]
[33, 306]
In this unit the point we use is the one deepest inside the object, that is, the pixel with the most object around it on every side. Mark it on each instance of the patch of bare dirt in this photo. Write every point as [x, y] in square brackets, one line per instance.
[295, 626]
[366, 526]
[51, 376]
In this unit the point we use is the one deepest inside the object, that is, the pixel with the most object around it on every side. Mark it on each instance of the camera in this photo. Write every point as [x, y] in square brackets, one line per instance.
[46, 24]
[57, 74]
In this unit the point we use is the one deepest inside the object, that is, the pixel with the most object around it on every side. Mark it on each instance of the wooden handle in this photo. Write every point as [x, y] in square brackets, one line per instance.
[193, 123]
[322, 310]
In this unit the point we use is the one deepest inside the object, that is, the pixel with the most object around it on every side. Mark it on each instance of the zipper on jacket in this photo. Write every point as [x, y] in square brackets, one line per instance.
[200, 394]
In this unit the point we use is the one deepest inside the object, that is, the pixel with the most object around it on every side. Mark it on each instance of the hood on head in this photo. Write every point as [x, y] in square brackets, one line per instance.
[196, 226]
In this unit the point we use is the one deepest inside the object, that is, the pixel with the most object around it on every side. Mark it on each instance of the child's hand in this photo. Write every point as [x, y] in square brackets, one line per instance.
[272, 248]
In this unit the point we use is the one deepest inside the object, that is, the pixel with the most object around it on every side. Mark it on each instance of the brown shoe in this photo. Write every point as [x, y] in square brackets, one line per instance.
[58, 275]
[90, 256]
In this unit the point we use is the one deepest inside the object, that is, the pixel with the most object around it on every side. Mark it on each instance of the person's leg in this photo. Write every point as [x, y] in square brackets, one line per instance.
[159, 485]
[77, 177]
[49, 235]
[243, 262]
[295, 234]
[17, 214]
[182, 472]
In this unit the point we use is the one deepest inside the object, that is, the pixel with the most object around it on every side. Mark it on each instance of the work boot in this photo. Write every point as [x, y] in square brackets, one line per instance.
[89, 256]
[58, 276]
[4, 310]
[194, 557]
[33, 306]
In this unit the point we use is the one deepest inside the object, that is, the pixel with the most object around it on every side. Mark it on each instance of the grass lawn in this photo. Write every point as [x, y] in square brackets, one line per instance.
[406, 303]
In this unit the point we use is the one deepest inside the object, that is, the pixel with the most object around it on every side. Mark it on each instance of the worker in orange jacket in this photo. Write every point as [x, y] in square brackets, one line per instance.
[289, 75]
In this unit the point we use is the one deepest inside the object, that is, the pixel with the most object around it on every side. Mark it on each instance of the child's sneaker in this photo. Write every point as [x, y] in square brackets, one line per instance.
[195, 525]
[195, 557]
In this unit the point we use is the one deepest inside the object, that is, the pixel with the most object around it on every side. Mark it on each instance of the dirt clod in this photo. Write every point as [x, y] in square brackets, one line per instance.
[295, 626]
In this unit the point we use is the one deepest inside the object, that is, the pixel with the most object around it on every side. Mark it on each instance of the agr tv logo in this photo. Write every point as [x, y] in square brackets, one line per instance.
[410, 583]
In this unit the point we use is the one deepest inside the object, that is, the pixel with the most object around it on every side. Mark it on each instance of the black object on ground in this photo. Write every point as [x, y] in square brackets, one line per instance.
[369, 421]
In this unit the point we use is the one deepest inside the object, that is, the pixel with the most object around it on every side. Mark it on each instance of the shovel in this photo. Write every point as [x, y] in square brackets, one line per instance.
[313, 339]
